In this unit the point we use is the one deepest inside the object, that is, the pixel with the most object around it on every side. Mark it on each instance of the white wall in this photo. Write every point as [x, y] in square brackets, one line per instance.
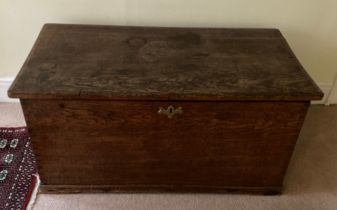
[309, 25]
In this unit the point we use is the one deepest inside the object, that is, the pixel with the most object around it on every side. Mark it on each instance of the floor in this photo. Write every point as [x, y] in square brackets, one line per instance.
[311, 181]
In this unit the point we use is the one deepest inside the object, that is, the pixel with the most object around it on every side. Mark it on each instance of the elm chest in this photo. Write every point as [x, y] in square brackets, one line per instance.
[140, 109]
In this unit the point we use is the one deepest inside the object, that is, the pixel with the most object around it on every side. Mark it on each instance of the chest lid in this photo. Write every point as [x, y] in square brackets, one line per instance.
[148, 63]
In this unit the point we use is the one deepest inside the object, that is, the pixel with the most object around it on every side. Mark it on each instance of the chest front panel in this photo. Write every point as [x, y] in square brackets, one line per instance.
[207, 144]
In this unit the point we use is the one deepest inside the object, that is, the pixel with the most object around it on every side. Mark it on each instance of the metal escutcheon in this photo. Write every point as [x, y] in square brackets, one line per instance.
[170, 112]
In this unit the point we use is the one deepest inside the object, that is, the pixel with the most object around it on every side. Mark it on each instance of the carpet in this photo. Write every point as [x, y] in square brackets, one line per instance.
[18, 178]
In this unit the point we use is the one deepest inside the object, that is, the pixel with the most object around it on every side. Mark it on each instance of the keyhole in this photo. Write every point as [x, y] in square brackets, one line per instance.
[170, 110]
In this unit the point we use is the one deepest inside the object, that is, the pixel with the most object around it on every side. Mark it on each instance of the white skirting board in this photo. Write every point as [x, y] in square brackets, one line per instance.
[4, 85]
[326, 88]
[330, 92]
[332, 97]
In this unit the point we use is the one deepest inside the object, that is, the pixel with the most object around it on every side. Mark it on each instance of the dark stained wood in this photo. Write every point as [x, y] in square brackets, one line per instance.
[144, 63]
[127, 146]
[91, 95]
[56, 189]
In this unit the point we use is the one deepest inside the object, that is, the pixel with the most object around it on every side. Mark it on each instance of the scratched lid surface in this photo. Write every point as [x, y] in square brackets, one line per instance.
[149, 63]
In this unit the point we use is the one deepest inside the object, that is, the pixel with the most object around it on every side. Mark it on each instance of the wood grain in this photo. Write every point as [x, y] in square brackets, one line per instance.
[91, 94]
[148, 63]
[72, 189]
[211, 145]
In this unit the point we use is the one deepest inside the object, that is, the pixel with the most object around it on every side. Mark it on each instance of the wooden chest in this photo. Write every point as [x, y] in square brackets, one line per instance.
[143, 109]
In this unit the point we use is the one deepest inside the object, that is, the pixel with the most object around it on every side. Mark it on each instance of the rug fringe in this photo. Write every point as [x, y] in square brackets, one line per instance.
[34, 193]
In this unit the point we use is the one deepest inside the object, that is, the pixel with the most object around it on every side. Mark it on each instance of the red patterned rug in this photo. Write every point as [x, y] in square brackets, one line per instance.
[18, 178]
